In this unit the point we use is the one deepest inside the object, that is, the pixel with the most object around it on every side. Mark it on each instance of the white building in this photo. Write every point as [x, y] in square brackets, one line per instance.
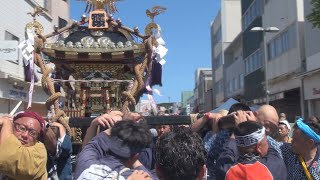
[203, 90]
[13, 19]
[311, 78]
[285, 54]
[226, 26]
[144, 107]
[190, 105]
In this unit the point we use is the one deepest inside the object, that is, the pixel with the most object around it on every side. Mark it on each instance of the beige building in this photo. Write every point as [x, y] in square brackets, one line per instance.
[225, 27]
[311, 78]
[13, 18]
[285, 54]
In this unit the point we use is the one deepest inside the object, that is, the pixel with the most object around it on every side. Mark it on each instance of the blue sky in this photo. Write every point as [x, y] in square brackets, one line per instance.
[186, 30]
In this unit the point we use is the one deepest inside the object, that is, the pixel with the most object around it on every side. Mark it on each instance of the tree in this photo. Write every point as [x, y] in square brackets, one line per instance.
[314, 16]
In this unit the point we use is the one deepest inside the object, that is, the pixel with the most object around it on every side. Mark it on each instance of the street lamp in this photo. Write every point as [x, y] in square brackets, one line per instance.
[265, 30]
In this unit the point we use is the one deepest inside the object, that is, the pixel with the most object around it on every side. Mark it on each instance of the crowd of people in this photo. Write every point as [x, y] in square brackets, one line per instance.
[233, 144]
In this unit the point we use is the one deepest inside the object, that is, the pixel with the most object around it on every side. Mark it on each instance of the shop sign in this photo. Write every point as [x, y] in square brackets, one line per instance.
[9, 50]
[17, 94]
[277, 96]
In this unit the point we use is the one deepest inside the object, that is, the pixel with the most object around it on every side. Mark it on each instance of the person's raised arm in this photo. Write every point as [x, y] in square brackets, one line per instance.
[6, 128]
[202, 121]
[106, 121]
[59, 140]
[17, 160]
[50, 141]
[62, 129]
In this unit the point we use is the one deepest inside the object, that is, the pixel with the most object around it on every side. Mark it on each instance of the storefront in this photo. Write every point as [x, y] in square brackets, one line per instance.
[12, 91]
[312, 93]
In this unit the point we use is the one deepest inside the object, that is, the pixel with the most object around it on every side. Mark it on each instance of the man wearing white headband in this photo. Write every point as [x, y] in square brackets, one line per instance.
[284, 130]
[257, 159]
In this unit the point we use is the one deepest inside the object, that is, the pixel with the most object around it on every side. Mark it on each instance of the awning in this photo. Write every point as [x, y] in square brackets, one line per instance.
[226, 105]
[308, 73]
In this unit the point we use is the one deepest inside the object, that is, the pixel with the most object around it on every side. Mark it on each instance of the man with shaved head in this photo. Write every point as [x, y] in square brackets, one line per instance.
[267, 115]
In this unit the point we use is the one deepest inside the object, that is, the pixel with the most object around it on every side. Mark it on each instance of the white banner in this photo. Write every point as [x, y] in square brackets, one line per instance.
[27, 48]
[9, 50]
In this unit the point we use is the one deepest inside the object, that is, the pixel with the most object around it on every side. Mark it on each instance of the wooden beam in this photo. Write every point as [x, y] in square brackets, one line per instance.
[151, 120]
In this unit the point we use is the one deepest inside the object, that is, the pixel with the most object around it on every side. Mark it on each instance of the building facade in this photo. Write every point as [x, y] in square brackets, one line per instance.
[203, 90]
[311, 78]
[285, 54]
[234, 70]
[190, 105]
[185, 95]
[13, 15]
[252, 44]
[225, 27]
[281, 53]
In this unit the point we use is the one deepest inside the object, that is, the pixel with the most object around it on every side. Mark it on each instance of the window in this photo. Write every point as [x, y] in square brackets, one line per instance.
[245, 21]
[247, 67]
[271, 50]
[9, 36]
[230, 86]
[250, 64]
[219, 86]
[253, 62]
[254, 11]
[217, 37]
[235, 83]
[278, 46]
[260, 59]
[282, 43]
[241, 79]
[285, 41]
[218, 61]
[250, 15]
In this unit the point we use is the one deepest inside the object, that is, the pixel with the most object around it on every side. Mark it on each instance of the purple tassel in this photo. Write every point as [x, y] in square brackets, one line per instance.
[27, 74]
[156, 74]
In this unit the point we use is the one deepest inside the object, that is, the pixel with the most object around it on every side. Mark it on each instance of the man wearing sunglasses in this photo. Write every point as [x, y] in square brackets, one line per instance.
[22, 156]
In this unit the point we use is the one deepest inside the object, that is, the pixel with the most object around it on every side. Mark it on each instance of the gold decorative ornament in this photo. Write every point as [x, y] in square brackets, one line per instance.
[149, 28]
[109, 5]
[156, 10]
[38, 28]
[37, 11]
